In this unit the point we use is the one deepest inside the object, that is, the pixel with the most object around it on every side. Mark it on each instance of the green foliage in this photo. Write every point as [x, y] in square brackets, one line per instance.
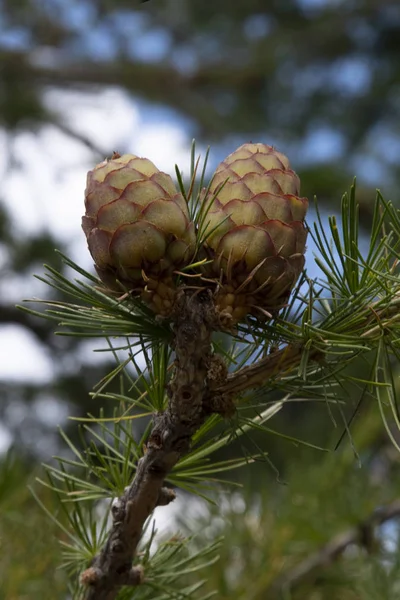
[269, 534]
[29, 551]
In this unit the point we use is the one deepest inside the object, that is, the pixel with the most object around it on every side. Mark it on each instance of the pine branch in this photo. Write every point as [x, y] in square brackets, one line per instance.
[361, 534]
[141, 78]
[193, 323]
[79, 137]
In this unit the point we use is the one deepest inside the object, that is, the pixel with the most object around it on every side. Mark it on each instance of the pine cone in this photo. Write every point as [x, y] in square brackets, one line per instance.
[138, 229]
[255, 231]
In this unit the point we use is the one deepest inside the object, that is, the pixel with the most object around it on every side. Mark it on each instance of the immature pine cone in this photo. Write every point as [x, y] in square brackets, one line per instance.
[137, 227]
[255, 231]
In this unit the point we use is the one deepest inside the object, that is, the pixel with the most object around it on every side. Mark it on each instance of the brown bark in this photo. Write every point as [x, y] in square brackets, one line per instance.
[194, 321]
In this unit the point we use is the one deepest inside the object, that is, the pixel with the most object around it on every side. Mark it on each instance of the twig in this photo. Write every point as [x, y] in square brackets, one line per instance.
[258, 374]
[335, 547]
[80, 137]
[193, 323]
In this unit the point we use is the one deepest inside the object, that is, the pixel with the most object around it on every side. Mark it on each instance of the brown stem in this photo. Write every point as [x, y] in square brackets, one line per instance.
[258, 374]
[193, 323]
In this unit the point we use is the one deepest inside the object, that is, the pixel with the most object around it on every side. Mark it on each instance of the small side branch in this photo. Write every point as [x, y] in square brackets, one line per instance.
[287, 359]
[258, 374]
[194, 320]
[360, 535]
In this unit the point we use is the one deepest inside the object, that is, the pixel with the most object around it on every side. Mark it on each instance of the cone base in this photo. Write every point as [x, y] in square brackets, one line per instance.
[159, 295]
[234, 307]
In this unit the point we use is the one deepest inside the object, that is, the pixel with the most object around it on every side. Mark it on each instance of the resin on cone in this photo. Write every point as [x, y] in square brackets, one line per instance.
[255, 232]
[138, 229]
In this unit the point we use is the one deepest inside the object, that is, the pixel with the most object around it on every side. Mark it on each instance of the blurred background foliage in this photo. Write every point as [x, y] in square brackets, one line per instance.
[320, 79]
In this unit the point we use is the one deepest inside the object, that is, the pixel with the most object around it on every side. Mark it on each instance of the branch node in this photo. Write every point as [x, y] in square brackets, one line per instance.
[117, 507]
[217, 371]
[222, 404]
[91, 576]
[166, 496]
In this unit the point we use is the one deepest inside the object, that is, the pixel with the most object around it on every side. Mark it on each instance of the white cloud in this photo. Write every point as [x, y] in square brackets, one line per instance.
[166, 145]
[47, 192]
[22, 359]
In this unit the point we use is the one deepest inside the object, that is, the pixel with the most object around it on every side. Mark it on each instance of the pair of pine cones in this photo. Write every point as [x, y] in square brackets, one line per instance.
[248, 232]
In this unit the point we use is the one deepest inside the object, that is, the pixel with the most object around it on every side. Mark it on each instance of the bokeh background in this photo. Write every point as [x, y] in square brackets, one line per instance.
[319, 79]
